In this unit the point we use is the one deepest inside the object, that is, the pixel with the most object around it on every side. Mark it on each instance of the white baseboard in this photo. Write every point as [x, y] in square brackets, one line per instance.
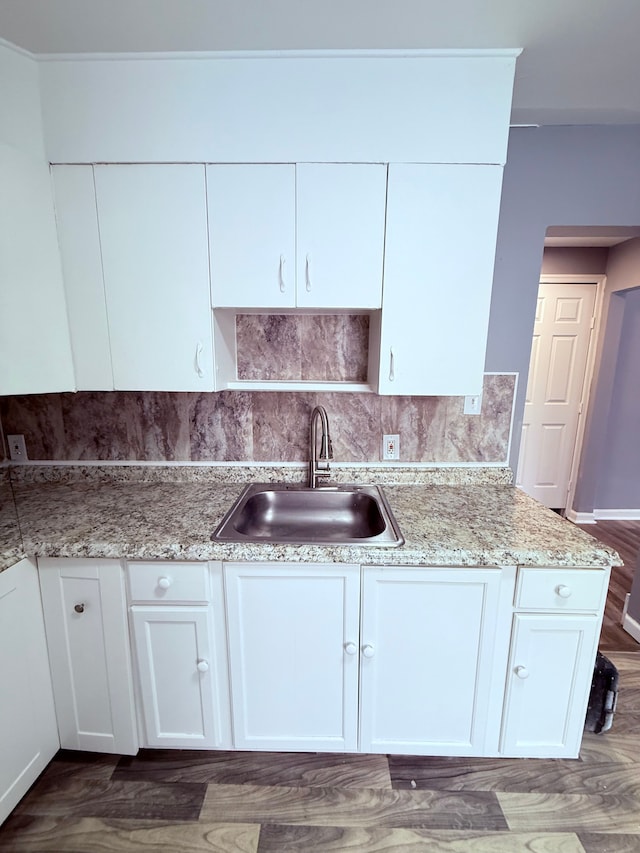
[631, 627]
[616, 514]
[580, 517]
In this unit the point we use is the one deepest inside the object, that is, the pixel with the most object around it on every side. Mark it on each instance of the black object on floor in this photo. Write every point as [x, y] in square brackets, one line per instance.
[603, 697]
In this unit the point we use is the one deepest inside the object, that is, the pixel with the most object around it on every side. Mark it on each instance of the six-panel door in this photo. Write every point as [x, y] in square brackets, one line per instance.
[293, 654]
[427, 649]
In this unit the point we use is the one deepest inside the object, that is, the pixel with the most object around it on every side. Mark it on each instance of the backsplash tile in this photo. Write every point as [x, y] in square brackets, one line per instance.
[249, 426]
[307, 347]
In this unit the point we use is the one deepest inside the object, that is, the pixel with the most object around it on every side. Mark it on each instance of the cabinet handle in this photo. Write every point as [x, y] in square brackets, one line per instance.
[79, 608]
[563, 590]
[368, 651]
[350, 648]
[521, 672]
[202, 666]
[392, 367]
[198, 367]
[307, 273]
[281, 274]
[164, 583]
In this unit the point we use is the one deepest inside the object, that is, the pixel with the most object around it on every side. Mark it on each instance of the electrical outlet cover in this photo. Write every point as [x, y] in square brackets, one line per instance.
[17, 448]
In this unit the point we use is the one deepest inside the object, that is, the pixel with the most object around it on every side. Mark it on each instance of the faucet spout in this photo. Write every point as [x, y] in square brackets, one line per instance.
[319, 465]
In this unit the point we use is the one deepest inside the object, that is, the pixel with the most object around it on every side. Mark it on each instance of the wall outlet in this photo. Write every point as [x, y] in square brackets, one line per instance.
[17, 448]
[391, 447]
[473, 404]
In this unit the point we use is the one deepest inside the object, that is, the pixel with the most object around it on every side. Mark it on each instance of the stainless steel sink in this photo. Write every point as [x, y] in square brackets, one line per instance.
[287, 513]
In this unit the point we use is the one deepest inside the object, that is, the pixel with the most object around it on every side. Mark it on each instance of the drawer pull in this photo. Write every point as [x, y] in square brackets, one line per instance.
[521, 672]
[202, 666]
[164, 583]
[368, 651]
[350, 648]
[79, 608]
[563, 590]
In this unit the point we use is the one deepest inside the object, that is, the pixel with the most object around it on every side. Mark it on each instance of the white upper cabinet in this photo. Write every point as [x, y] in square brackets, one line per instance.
[306, 236]
[79, 240]
[153, 235]
[35, 351]
[252, 211]
[442, 224]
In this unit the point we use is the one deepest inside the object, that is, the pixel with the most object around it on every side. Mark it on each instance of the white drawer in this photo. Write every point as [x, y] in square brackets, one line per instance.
[161, 583]
[561, 589]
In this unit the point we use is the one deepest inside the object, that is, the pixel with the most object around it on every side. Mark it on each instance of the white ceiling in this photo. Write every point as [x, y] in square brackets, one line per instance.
[581, 60]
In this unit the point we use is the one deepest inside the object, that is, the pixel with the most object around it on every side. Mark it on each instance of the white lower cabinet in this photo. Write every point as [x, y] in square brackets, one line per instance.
[84, 606]
[28, 733]
[178, 630]
[553, 649]
[293, 655]
[428, 658]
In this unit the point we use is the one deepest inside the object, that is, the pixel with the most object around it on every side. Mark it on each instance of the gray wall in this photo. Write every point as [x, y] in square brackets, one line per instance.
[563, 176]
[574, 261]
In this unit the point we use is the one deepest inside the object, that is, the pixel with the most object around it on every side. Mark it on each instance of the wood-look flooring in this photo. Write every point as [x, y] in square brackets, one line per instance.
[240, 802]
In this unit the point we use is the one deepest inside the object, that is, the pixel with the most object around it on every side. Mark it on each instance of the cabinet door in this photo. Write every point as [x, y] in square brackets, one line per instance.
[340, 234]
[153, 233]
[252, 235]
[182, 676]
[28, 733]
[442, 223]
[293, 651]
[86, 620]
[427, 653]
[35, 349]
[79, 240]
[549, 679]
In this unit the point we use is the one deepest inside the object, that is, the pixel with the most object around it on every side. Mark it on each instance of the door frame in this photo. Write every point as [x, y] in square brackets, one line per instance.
[587, 386]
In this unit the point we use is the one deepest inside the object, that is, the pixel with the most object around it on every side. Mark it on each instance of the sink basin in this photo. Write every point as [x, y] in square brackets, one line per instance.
[287, 513]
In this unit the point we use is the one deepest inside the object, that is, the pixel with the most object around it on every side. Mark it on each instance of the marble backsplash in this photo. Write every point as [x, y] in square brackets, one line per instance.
[308, 347]
[258, 426]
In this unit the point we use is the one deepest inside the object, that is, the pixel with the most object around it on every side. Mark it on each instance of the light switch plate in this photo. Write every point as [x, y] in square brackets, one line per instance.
[473, 404]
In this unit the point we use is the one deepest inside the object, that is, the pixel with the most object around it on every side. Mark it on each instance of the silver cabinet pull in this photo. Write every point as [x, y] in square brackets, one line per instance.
[281, 274]
[392, 367]
[307, 273]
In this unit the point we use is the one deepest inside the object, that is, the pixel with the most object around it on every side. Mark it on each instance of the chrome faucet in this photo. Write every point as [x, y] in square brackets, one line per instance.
[319, 465]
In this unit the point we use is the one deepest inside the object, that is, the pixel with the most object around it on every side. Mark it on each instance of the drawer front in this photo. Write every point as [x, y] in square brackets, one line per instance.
[561, 589]
[158, 583]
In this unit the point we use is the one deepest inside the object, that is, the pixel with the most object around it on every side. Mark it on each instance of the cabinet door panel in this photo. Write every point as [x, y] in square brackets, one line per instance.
[252, 235]
[86, 619]
[340, 234]
[548, 684]
[153, 232]
[35, 348]
[79, 239]
[28, 732]
[442, 224]
[430, 633]
[294, 684]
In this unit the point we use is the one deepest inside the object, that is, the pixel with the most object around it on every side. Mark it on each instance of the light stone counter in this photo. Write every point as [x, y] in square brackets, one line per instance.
[10, 542]
[476, 521]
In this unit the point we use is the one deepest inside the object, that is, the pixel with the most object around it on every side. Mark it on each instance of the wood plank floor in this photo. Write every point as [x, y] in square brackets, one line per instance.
[229, 802]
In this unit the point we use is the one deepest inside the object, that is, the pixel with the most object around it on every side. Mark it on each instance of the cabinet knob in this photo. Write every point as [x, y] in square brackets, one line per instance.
[79, 608]
[368, 651]
[521, 672]
[350, 648]
[202, 666]
[563, 590]
[164, 583]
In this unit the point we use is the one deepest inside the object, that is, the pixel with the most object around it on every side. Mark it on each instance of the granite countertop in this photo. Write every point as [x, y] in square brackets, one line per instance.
[456, 521]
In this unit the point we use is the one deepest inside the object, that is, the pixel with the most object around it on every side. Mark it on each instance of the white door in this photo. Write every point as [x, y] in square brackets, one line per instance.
[427, 649]
[561, 337]
[548, 683]
[85, 613]
[183, 692]
[340, 234]
[28, 732]
[155, 256]
[442, 222]
[252, 222]
[293, 652]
